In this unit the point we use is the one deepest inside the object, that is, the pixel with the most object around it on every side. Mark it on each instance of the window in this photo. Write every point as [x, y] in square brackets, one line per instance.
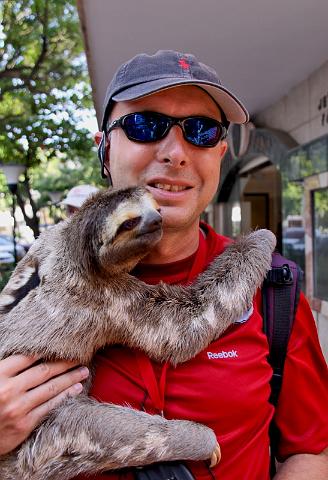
[300, 163]
[320, 242]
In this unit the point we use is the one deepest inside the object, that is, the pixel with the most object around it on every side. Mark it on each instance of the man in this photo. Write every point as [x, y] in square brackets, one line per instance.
[76, 196]
[164, 126]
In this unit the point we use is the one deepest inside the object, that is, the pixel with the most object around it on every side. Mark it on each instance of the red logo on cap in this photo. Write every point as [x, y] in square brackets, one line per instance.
[184, 64]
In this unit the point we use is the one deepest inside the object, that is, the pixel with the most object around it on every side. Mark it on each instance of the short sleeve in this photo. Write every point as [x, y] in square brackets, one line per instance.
[302, 411]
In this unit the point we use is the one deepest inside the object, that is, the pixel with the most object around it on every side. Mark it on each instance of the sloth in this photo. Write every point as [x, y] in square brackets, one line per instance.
[72, 294]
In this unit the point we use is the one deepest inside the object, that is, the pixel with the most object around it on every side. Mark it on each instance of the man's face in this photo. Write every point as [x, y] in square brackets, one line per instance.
[182, 177]
[70, 210]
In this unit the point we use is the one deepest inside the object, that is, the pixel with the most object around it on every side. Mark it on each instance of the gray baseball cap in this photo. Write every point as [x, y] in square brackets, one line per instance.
[146, 74]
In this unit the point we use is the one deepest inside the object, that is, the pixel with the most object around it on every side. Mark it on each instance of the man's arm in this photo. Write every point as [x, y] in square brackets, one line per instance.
[28, 392]
[304, 467]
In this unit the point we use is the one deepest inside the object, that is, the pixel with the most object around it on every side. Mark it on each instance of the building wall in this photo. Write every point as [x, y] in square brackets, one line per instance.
[303, 114]
[303, 111]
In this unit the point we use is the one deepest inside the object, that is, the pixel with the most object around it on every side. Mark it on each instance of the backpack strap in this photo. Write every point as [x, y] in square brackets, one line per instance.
[280, 297]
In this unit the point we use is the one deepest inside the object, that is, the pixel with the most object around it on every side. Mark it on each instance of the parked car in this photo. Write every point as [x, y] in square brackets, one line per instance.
[6, 258]
[293, 245]
[7, 247]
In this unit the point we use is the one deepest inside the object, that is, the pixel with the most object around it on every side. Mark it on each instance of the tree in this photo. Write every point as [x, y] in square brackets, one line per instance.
[61, 175]
[44, 90]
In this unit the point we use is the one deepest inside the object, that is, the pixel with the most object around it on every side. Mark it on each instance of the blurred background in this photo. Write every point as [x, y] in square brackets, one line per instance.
[57, 57]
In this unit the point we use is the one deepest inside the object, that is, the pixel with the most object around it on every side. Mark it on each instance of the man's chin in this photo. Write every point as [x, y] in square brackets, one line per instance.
[176, 218]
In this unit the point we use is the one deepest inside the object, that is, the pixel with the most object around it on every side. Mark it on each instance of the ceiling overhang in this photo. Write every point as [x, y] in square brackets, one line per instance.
[259, 49]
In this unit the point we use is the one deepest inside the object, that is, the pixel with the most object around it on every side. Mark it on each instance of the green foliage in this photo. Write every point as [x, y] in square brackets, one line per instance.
[292, 198]
[58, 175]
[320, 199]
[44, 94]
[4, 276]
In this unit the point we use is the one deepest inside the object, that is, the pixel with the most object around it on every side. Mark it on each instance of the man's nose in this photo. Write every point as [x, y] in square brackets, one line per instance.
[174, 148]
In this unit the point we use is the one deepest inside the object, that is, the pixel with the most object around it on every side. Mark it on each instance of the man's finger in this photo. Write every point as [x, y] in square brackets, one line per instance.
[41, 373]
[44, 393]
[11, 366]
[36, 416]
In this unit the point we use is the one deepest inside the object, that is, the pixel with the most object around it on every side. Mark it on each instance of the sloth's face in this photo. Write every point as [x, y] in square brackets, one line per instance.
[116, 228]
[130, 230]
[136, 220]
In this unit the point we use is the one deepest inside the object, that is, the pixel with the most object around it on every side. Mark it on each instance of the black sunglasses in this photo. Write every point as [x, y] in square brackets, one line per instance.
[148, 127]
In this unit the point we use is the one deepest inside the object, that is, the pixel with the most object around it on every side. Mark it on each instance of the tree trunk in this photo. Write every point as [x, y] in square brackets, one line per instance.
[32, 222]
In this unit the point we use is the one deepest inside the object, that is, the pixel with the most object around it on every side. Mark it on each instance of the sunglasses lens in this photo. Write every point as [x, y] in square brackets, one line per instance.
[152, 126]
[145, 127]
[202, 131]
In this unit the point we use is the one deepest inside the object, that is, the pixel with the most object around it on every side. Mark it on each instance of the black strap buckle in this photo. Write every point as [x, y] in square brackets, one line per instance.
[280, 275]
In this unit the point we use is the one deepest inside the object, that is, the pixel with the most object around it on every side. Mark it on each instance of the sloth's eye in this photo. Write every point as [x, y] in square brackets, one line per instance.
[128, 225]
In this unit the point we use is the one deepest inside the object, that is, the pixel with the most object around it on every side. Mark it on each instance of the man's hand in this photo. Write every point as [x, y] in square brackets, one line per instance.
[28, 392]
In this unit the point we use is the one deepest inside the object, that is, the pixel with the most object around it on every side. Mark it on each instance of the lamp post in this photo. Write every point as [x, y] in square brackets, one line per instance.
[12, 173]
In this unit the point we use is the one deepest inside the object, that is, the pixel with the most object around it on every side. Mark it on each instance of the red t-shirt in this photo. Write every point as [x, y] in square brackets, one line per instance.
[229, 392]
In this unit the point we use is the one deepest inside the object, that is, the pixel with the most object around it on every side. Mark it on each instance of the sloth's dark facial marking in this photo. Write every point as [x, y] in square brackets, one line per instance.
[128, 225]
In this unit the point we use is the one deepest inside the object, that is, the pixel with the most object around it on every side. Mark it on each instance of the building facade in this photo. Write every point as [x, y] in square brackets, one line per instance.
[276, 176]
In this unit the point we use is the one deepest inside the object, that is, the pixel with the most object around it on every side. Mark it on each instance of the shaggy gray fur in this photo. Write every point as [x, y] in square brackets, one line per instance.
[86, 299]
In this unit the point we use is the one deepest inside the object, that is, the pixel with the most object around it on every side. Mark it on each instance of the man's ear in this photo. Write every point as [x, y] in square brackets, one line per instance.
[97, 138]
[103, 154]
[223, 148]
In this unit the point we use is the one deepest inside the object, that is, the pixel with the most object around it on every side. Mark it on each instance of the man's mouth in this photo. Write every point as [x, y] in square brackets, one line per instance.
[169, 188]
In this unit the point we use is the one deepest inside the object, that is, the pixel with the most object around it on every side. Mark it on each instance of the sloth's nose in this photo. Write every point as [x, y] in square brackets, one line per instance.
[151, 221]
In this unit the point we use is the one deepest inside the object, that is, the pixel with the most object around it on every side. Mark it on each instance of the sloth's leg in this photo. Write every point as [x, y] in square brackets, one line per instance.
[176, 323]
[86, 436]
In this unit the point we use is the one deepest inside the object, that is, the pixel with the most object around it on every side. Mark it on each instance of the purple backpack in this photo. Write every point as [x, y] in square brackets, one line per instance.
[280, 297]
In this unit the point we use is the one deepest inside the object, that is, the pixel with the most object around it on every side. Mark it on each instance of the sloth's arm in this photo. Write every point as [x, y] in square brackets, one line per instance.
[175, 323]
[106, 437]
[167, 322]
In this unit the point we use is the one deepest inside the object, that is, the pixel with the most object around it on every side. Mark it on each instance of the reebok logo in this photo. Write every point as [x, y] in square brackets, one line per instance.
[223, 354]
